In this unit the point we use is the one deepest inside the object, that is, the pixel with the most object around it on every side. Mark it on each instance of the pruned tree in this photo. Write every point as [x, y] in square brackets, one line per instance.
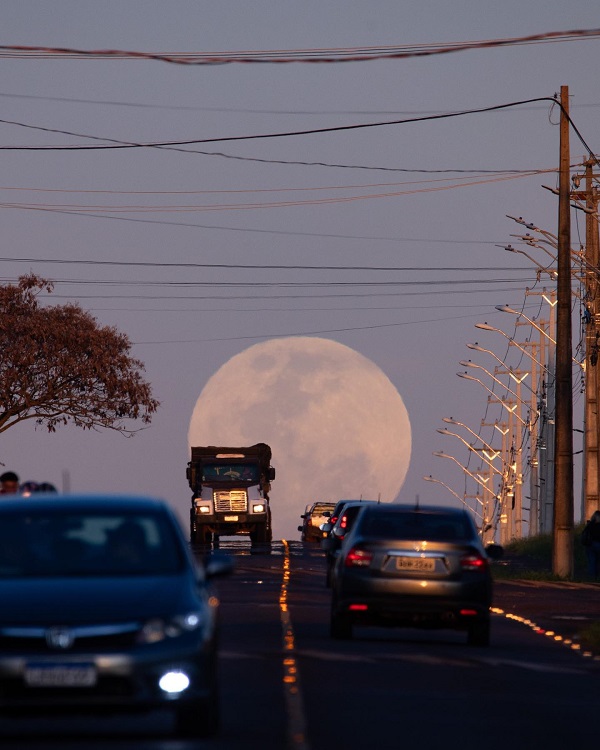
[59, 366]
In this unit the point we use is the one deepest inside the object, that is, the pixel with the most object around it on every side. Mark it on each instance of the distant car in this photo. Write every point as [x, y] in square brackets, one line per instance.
[313, 517]
[335, 513]
[104, 608]
[343, 523]
[413, 566]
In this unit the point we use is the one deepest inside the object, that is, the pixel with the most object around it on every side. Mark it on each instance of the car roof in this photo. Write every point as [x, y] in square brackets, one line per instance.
[80, 502]
[412, 508]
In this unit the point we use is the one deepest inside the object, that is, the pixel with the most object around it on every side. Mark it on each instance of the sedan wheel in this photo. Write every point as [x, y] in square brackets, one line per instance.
[200, 719]
[340, 626]
[479, 633]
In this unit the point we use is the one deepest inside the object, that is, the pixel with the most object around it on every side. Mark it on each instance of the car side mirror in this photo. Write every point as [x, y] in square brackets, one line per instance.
[300, 528]
[325, 528]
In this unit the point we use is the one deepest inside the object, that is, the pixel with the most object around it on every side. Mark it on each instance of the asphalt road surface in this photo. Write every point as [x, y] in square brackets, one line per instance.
[285, 684]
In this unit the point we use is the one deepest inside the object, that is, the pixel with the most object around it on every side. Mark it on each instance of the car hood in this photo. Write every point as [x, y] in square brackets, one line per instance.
[71, 601]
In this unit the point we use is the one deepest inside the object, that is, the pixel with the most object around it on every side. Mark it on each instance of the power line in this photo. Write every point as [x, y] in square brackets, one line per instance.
[238, 110]
[256, 266]
[337, 55]
[286, 134]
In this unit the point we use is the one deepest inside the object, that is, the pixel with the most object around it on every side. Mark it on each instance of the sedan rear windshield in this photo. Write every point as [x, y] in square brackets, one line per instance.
[87, 543]
[415, 525]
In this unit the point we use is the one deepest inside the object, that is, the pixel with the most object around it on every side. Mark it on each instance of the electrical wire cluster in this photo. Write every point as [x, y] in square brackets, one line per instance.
[335, 55]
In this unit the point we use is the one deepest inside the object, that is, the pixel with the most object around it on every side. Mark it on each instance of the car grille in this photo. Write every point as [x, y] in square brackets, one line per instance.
[231, 500]
[87, 639]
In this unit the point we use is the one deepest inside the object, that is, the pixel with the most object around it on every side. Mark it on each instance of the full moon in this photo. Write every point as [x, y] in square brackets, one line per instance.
[337, 426]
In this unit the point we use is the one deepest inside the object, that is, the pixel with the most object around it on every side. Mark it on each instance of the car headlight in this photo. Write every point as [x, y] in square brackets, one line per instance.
[259, 508]
[159, 629]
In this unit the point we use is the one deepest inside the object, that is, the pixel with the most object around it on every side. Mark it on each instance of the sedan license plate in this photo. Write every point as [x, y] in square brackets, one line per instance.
[418, 564]
[60, 675]
[231, 518]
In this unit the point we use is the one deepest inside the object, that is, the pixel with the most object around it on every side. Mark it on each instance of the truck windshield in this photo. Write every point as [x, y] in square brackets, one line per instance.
[230, 472]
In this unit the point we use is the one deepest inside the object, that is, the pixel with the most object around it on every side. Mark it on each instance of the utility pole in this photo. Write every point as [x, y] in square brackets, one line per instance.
[562, 552]
[591, 196]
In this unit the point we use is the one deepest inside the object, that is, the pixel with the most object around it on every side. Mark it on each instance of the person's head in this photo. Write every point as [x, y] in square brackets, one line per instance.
[46, 487]
[595, 517]
[9, 483]
[28, 488]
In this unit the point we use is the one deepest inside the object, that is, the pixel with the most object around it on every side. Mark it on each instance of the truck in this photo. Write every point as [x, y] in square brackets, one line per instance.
[230, 493]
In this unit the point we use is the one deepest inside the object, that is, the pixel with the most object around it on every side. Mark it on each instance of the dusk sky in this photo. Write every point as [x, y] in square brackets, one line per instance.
[199, 251]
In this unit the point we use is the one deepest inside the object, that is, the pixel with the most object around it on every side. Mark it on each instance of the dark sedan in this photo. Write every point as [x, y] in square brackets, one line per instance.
[413, 566]
[104, 609]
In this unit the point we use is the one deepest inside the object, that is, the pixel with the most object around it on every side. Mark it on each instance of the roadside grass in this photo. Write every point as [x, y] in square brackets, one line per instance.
[530, 558]
[589, 637]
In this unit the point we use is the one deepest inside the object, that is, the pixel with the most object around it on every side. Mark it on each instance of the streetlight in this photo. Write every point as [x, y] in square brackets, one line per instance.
[507, 309]
[529, 225]
[546, 269]
[506, 405]
[478, 348]
[439, 481]
[488, 447]
[462, 500]
[468, 363]
[486, 327]
[441, 454]
[444, 431]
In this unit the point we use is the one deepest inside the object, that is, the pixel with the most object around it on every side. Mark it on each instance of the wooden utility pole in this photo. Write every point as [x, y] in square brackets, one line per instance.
[562, 552]
[591, 196]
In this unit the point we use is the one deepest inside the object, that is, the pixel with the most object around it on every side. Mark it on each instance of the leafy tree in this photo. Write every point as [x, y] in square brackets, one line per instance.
[58, 366]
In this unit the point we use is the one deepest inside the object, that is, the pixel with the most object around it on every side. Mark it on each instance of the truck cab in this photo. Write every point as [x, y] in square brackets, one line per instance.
[230, 489]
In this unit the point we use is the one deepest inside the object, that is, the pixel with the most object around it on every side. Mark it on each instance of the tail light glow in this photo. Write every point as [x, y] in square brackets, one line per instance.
[358, 558]
[473, 562]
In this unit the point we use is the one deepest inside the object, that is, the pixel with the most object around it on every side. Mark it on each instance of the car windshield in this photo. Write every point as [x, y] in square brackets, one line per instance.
[53, 544]
[416, 525]
[230, 472]
[321, 508]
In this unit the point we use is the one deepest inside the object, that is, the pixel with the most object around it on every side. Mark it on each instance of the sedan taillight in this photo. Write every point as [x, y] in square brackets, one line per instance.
[473, 562]
[358, 558]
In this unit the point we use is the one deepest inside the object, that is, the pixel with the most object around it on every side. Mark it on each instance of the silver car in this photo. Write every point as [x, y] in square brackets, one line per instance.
[422, 566]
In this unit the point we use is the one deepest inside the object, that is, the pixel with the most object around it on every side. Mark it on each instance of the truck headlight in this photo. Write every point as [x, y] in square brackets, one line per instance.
[258, 508]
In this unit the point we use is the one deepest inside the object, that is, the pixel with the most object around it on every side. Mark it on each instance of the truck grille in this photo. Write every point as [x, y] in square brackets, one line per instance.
[233, 500]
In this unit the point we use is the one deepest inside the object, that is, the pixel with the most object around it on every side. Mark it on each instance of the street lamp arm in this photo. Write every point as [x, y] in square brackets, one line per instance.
[487, 327]
[456, 495]
[441, 454]
[466, 376]
[443, 431]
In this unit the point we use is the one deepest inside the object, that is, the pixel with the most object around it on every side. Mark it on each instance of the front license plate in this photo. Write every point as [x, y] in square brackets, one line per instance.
[425, 564]
[60, 675]
[231, 518]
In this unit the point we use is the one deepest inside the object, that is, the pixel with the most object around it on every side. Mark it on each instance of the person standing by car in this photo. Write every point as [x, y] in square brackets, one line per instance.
[590, 538]
[9, 483]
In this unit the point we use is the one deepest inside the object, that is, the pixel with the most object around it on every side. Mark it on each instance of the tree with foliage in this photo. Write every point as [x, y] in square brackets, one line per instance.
[59, 366]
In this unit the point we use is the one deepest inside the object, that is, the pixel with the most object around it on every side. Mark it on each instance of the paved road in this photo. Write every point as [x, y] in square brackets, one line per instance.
[285, 684]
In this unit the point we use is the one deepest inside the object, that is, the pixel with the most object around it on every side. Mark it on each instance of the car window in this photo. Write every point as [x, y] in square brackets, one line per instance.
[417, 526]
[71, 544]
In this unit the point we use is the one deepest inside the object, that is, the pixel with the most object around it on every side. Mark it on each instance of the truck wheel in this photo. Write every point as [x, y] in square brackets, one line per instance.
[260, 535]
[201, 535]
[340, 627]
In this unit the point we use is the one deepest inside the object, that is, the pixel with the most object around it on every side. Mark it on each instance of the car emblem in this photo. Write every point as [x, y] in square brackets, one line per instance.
[61, 638]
